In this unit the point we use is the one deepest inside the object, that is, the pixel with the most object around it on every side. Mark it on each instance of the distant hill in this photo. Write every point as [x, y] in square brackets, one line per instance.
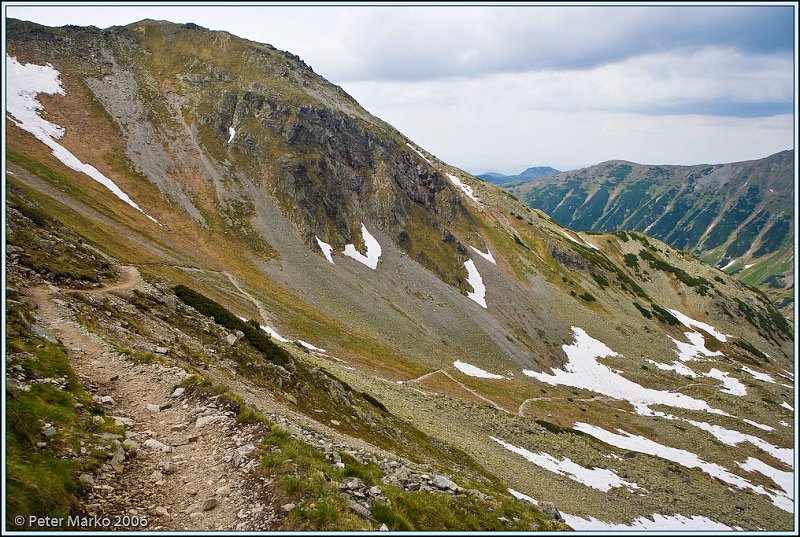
[736, 216]
[508, 180]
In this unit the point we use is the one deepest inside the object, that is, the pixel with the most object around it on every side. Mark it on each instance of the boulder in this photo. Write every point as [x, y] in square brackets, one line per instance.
[152, 443]
[444, 483]
[206, 420]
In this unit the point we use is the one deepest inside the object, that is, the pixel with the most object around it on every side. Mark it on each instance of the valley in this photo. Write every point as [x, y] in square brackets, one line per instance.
[400, 343]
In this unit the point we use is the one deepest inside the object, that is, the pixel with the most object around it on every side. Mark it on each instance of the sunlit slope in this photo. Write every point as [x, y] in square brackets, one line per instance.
[737, 216]
[277, 195]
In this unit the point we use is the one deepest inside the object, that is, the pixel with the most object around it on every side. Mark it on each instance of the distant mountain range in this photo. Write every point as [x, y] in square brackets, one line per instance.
[508, 180]
[736, 216]
[390, 339]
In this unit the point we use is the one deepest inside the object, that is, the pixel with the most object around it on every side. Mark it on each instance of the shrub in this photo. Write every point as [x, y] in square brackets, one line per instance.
[254, 335]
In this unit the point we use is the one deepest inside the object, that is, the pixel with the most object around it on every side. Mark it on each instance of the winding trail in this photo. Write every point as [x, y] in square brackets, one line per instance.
[170, 486]
[261, 310]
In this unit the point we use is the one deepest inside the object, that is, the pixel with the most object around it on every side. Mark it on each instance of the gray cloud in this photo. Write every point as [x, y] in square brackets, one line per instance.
[413, 43]
[507, 87]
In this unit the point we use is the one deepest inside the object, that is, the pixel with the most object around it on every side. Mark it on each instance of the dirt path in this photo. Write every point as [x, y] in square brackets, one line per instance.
[462, 386]
[176, 475]
[261, 311]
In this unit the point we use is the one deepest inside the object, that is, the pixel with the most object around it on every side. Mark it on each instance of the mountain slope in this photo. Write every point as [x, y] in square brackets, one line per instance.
[507, 180]
[269, 190]
[737, 216]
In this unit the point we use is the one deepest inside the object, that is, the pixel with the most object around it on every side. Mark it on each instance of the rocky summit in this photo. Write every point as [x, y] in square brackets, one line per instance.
[237, 300]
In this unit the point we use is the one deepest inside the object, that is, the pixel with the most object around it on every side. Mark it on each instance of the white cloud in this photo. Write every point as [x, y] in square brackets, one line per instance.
[505, 88]
[507, 123]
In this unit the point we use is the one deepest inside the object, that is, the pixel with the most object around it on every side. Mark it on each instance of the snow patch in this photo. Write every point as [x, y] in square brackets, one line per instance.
[688, 322]
[584, 371]
[487, 256]
[597, 478]
[676, 366]
[310, 347]
[326, 248]
[783, 423]
[658, 523]
[732, 385]
[24, 83]
[729, 265]
[273, 334]
[232, 132]
[685, 458]
[520, 496]
[690, 351]
[373, 250]
[758, 425]
[787, 406]
[784, 480]
[731, 437]
[589, 244]
[570, 237]
[465, 188]
[473, 371]
[415, 150]
[748, 266]
[474, 279]
[758, 375]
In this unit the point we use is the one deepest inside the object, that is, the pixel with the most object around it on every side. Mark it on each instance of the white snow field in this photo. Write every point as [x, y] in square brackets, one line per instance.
[23, 84]
[373, 250]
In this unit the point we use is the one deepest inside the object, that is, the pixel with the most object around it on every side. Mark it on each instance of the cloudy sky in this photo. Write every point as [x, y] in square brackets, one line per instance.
[503, 88]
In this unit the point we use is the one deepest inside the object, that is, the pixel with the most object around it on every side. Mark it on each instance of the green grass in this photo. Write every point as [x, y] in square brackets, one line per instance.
[657, 263]
[44, 481]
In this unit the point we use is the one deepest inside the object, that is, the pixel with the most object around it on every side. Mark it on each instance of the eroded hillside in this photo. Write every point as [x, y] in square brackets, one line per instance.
[574, 367]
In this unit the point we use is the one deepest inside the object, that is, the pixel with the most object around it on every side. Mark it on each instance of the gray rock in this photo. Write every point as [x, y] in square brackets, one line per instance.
[98, 420]
[38, 331]
[153, 408]
[152, 443]
[119, 454]
[287, 507]
[177, 393]
[383, 528]
[50, 431]
[122, 421]
[351, 483]
[162, 350]
[206, 420]
[107, 400]
[210, 504]
[231, 339]
[41, 445]
[162, 511]
[550, 509]
[360, 510]
[86, 478]
[478, 494]
[241, 453]
[444, 483]
[133, 445]
[168, 467]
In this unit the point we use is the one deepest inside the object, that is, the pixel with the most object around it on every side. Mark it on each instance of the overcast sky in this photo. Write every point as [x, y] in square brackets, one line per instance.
[503, 88]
